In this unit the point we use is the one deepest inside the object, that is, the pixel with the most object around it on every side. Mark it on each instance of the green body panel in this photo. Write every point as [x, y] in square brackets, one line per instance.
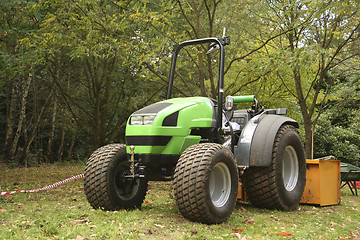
[239, 99]
[193, 112]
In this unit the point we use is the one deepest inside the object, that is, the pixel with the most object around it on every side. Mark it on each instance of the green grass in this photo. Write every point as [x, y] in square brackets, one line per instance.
[64, 213]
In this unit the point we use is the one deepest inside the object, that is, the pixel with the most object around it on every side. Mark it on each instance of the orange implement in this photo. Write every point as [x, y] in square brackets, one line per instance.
[323, 180]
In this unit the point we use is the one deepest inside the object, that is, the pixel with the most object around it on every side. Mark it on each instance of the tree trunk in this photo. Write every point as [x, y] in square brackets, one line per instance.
[52, 133]
[304, 111]
[308, 137]
[10, 119]
[199, 52]
[14, 145]
[33, 133]
[61, 146]
[71, 147]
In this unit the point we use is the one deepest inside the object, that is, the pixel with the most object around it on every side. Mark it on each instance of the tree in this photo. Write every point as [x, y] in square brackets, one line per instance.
[319, 36]
[337, 132]
[71, 72]
[96, 37]
[17, 68]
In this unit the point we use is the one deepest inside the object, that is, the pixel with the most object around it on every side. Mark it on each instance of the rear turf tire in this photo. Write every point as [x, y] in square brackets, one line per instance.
[206, 183]
[104, 184]
[281, 185]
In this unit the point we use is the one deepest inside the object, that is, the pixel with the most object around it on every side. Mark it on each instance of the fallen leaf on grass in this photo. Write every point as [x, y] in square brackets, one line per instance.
[159, 226]
[333, 224]
[354, 210]
[83, 216]
[238, 230]
[30, 223]
[82, 219]
[349, 220]
[250, 221]
[2, 210]
[341, 237]
[79, 238]
[355, 234]
[236, 235]
[284, 234]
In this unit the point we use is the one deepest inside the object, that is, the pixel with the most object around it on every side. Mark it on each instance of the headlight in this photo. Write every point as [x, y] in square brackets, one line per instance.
[149, 119]
[136, 120]
[142, 119]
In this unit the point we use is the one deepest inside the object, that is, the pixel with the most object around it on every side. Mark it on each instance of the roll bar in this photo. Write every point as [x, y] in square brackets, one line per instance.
[222, 42]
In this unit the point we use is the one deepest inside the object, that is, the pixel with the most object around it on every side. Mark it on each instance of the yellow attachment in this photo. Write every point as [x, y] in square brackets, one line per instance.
[322, 182]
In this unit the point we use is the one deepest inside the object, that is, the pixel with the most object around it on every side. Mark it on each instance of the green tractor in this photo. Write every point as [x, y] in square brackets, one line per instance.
[205, 147]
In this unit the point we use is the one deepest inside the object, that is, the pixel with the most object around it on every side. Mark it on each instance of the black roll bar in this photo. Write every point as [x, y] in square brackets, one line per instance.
[222, 42]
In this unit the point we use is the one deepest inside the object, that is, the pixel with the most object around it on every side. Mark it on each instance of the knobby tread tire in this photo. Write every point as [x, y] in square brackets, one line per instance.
[99, 180]
[264, 185]
[191, 183]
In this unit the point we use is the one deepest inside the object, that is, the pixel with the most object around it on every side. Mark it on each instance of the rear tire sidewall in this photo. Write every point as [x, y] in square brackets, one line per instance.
[290, 198]
[223, 156]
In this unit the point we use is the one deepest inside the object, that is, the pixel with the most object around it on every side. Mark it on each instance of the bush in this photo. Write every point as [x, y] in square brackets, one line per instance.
[337, 141]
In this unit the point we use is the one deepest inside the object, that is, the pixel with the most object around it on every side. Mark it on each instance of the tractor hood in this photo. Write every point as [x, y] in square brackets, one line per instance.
[165, 127]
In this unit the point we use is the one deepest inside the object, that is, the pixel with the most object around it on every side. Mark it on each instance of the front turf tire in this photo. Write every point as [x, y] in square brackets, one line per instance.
[104, 183]
[281, 185]
[206, 183]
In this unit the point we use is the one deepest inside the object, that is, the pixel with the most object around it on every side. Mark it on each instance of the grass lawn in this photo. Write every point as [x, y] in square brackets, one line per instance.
[64, 213]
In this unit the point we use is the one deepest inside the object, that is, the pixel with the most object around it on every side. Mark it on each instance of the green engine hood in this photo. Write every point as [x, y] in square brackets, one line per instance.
[170, 131]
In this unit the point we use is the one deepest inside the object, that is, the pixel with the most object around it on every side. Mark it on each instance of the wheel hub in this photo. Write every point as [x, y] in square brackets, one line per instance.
[220, 184]
[126, 185]
[290, 168]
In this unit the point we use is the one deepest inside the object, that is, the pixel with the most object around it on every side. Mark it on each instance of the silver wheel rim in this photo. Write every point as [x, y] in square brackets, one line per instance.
[290, 168]
[220, 184]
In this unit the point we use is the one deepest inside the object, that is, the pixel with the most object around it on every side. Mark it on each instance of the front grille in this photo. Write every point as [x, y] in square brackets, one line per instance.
[147, 140]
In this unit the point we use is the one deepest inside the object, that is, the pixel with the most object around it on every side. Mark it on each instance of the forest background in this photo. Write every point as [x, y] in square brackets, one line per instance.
[72, 71]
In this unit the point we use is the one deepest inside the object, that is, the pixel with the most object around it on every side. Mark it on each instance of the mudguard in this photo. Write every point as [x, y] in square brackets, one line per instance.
[257, 139]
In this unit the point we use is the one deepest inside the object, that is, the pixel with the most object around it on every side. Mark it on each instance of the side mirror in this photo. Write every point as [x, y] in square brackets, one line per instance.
[213, 47]
[229, 103]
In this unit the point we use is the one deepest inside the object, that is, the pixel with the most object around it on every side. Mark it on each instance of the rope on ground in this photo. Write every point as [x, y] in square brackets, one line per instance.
[46, 187]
